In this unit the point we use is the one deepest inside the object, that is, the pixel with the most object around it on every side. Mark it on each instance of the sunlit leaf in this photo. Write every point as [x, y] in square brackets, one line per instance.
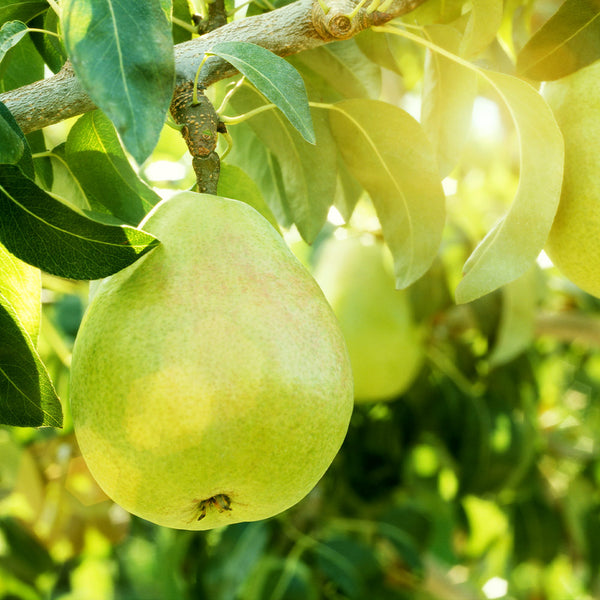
[506, 253]
[122, 53]
[448, 94]
[48, 234]
[387, 151]
[308, 171]
[517, 321]
[568, 41]
[21, 285]
[27, 397]
[339, 70]
[483, 25]
[235, 183]
[273, 77]
[96, 158]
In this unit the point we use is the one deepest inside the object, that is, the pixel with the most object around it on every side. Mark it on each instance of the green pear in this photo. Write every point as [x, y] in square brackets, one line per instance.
[573, 242]
[210, 380]
[385, 344]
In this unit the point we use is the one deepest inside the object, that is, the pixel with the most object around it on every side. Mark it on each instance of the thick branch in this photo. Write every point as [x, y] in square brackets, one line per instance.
[287, 30]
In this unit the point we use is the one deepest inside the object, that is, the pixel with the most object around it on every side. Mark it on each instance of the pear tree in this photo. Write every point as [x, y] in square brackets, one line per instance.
[318, 276]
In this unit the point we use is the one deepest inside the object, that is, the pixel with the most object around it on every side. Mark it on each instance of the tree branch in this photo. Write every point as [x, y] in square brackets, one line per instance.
[288, 30]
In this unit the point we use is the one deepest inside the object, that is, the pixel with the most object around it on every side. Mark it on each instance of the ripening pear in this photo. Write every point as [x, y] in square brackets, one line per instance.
[574, 241]
[385, 344]
[210, 380]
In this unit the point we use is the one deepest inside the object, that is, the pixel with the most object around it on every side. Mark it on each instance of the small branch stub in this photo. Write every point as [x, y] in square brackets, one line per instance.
[200, 129]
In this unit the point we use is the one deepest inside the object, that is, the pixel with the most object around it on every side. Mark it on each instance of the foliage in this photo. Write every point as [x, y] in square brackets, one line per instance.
[479, 481]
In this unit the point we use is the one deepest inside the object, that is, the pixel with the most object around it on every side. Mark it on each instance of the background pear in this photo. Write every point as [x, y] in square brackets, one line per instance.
[210, 380]
[573, 242]
[384, 342]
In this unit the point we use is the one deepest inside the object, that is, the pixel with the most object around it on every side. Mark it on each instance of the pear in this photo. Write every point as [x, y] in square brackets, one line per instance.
[210, 380]
[385, 344]
[573, 242]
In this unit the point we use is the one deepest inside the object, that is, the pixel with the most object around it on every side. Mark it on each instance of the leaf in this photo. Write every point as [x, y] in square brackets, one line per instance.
[50, 47]
[338, 70]
[10, 35]
[378, 47]
[50, 235]
[21, 285]
[235, 183]
[273, 77]
[448, 94]
[568, 41]
[483, 25]
[386, 150]
[18, 10]
[308, 171]
[27, 397]
[122, 52]
[11, 145]
[512, 246]
[14, 144]
[21, 65]
[517, 321]
[96, 158]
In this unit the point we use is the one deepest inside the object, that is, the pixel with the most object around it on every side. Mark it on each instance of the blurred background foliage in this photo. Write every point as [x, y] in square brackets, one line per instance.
[479, 481]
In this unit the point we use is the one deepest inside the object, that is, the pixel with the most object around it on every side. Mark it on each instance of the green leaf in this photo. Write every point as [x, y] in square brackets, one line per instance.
[27, 397]
[517, 321]
[514, 243]
[379, 48]
[387, 151]
[21, 285]
[18, 10]
[338, 70]
[308, 171]
[251, 155]
[10, 35]
[235, 183]
[568, 41]
[50, 47]
[483, 25]
[122, 53]
[273, 77]
[96, 158]
[448, 94]
[21, 65]
[14, 149]
[44, 232]
[11, 145]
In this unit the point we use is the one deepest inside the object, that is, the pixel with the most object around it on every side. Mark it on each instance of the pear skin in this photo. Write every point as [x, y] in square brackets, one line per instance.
[210, 382]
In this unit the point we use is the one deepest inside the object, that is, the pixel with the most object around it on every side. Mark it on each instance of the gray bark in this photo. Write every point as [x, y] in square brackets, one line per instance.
[287, 30]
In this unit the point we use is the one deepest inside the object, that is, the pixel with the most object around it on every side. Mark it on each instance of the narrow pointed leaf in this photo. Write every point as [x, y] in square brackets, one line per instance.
[122, 53]
[309, 171]
[338, 71]
[505, 253]
[387, 151]
[568, 41]
[13, 144]
[273, 77]
[97, 160]
[21, 285]
[10, 35]
[44, 232]
[483, 25]
[27, 397]
[17, 10]
[517, 321]
[448, 94]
